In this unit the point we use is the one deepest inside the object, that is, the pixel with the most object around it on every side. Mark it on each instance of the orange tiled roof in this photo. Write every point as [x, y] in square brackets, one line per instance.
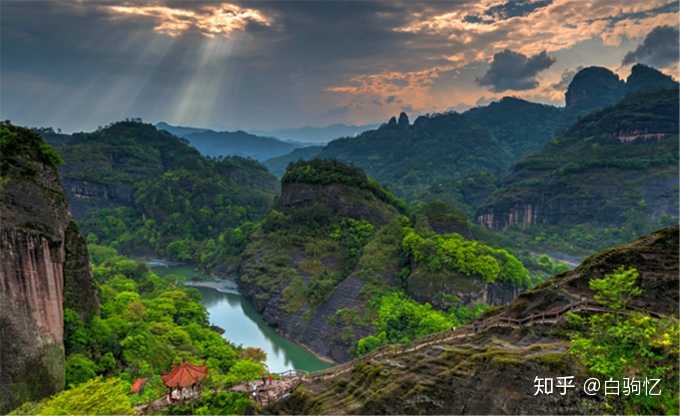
[184, 375]
[137, 385]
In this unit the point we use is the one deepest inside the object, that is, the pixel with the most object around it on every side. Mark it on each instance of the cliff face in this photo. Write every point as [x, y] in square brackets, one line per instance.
[41, 253]
[489, 367]
[428, 287]
[609, 167]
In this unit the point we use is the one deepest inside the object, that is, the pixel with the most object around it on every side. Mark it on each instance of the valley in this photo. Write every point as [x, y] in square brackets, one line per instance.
[202, 214]
[228, 309]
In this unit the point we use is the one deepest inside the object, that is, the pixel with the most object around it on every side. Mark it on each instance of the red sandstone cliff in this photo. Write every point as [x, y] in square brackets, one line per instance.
[39, 246]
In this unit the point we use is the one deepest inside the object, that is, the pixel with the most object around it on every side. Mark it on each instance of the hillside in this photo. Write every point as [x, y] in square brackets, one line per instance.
[443, 155]
[554, 330]
[234, 143]
[44, 268]
[615, 170]
[459, 158]
[522, 127]
[337, 252]
[148, 192]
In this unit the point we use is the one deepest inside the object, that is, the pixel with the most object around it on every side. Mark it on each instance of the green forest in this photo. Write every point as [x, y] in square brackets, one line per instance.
[146, 325]
[175, 202]
[351, 208]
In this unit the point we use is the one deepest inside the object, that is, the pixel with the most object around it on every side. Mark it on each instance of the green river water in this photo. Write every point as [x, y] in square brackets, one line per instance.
[243, 325]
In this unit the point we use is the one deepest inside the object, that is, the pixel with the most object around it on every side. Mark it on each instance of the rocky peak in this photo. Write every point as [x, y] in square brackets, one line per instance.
[392, 123]
[403, 121]
[643, 77]
[597, 87]
[593, 87]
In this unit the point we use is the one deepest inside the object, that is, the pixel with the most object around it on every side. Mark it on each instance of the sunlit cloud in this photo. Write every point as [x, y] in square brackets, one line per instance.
[478, 31]
[211, 21]
[558, 25]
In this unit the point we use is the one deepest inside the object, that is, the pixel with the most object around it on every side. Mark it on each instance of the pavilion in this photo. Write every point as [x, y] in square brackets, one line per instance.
[184, 381]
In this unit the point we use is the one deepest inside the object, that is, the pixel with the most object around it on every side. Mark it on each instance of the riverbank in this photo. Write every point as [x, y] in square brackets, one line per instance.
[320, 357]
[243, 324]
[229, 286]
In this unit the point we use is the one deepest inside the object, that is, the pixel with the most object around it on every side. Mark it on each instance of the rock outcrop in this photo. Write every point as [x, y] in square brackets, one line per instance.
[595, 87]
[41, 256]
[592, 88]
[645, 78]
[490, 366]
[300, 270]
[335, 243]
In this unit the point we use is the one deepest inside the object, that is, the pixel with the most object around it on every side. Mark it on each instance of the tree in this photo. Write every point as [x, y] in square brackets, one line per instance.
[625, 344]
[79, 369]
[95, 397]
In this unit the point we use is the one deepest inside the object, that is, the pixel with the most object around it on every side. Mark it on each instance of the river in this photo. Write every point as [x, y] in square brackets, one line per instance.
[241, 322]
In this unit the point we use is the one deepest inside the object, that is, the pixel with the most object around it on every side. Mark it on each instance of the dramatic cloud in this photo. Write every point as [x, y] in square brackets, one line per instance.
[513, 71]
[659, 48]
[531, 27]
[229, 64]
[221, 19]
[388, 83]
[515, 8]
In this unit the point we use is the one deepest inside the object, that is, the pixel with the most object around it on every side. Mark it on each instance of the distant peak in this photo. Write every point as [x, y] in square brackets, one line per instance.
[403, 121]
[594, 87]
[643, 77]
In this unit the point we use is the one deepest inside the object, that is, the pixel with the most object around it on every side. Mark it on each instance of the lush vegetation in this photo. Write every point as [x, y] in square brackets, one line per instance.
[401, 320]
[96, 396]
[631, 344]
[303, 254]
[16, 142]
[329, 172]
[154, 194]
[570, 183]
[454, 157]
[147, 324]
[472, 258]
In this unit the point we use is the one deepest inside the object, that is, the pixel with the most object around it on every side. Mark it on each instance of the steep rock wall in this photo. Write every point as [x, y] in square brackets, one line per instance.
[40, 253]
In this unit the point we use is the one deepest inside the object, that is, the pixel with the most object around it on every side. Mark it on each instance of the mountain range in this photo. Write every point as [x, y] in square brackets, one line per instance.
[146, 191]
[317, 135]
[365, 254]
[234, 143]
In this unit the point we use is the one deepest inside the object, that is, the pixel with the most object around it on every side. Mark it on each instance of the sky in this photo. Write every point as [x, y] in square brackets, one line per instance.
[262, 65]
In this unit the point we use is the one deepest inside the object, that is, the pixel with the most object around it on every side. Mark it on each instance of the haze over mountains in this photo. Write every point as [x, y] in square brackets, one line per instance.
[317, 135]
[262, 144]
[511, 165]
[226, 143]
[316, 254]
